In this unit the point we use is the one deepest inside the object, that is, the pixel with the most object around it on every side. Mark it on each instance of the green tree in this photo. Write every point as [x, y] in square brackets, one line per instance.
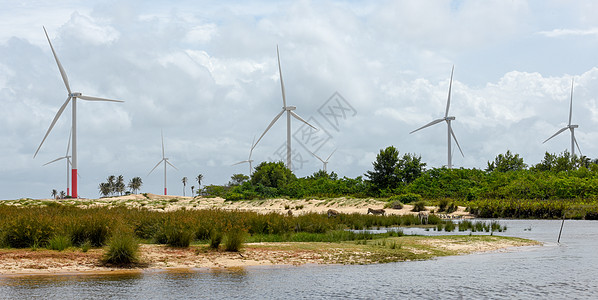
[409, 168]
[558, 163]
[272, 174]
[192, 188]
[184, 180]
[111, 180]
[384, 175]
[199, 178]
[135, 184]
[237, 179]
[507, 162]
[105, 189]
[119, 185]
[54, 193]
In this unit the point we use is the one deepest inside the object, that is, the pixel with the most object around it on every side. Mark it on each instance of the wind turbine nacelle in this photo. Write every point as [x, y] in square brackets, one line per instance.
[75, 94]
[573, 126]
[290, 108]
[450, 118]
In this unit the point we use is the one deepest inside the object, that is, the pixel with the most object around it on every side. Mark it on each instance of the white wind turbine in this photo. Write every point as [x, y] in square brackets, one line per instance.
[71, 96]
[249, 160]
[289, 110]
[324, 162]
[165, 160]
[448, 120]
[67, 157]
[569, 126]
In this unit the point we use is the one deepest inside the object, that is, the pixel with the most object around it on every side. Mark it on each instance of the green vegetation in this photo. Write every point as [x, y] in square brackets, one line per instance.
[122, 250]
[566, 182]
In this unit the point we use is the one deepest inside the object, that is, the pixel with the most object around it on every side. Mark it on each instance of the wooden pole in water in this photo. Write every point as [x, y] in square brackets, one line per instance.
[562, 223]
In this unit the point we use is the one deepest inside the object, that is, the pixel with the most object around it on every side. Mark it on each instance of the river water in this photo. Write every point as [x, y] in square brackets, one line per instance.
[568, 270]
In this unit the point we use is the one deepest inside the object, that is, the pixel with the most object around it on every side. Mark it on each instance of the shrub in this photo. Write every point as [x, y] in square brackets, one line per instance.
[28, 230]
[234, 240]
[215, 239]
[59, 242]
[175, 235]
[419, 206]
[442, 204]
[85, 246]
[394, 205]
[406, 198]
[123, 249]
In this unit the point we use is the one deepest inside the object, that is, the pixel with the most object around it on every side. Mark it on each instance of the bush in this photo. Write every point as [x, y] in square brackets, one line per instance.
[419, 206]
[59, 242]
[28, 230]
[406, 198]
[215, 239]
[394, 205]
[234, 240]
[175, 235]
[123, 249]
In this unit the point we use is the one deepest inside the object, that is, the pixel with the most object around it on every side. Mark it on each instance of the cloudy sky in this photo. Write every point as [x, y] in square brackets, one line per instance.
[364, 73]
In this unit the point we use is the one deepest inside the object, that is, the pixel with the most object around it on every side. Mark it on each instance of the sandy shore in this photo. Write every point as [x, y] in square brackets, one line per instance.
[302, 206]
[159, 257]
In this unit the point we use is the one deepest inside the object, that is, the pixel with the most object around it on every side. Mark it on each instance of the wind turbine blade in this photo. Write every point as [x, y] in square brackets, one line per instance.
[60, 68]
[89, 98]
[329, 156]
[284, 99]
[557, 133]
[448, 101]
[571, 103]
[68, 146]
[53, 123]
[316, 156]
[428, 125]
[300, 119]
[457, 142]
[150, 172]
[245, 161]
[268, 128]
[171, 165]
[251, 150]
[576, 144]
[54, 160]
[162, 136]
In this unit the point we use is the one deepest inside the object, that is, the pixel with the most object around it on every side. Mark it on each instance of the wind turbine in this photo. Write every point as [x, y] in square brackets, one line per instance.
[324, 162]
[448, 120]
[249, 160]
[289, 110]
[165, 160]
[70, 96]
[569, 126]
[67, 157]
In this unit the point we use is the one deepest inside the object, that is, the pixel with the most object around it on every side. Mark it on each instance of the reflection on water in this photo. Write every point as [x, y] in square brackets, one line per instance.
[566, 270]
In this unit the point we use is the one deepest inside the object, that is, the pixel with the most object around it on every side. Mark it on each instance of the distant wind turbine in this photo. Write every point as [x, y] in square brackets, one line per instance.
[324, 162]
[289, 110]
[71, 96]
[249, 160]
[165, 160]
[569, 126]
[448, 120]
[67, 157]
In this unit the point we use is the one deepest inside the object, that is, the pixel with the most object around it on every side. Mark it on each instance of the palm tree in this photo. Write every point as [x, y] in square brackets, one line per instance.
[62, 195]
[111, 183]
[120, 184]
[135, 184]
[105, 189]
[199, 178]
[192, 188]
[184, 185]
[54, 193]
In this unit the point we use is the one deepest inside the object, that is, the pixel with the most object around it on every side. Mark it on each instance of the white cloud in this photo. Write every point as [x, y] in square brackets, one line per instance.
[569, 32]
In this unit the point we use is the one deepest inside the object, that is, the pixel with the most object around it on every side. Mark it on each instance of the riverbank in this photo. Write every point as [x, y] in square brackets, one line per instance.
[15, 262]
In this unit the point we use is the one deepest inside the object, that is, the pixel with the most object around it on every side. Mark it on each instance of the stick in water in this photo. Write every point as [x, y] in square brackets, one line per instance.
[562, 223]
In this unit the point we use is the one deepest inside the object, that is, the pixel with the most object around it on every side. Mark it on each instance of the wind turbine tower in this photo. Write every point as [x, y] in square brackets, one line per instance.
[448, 120]
[70, 96]
[165, 160]
[290, 112]
[569, 126]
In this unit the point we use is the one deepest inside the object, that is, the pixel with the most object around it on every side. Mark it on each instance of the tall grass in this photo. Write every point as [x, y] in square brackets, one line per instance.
[123, 249]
